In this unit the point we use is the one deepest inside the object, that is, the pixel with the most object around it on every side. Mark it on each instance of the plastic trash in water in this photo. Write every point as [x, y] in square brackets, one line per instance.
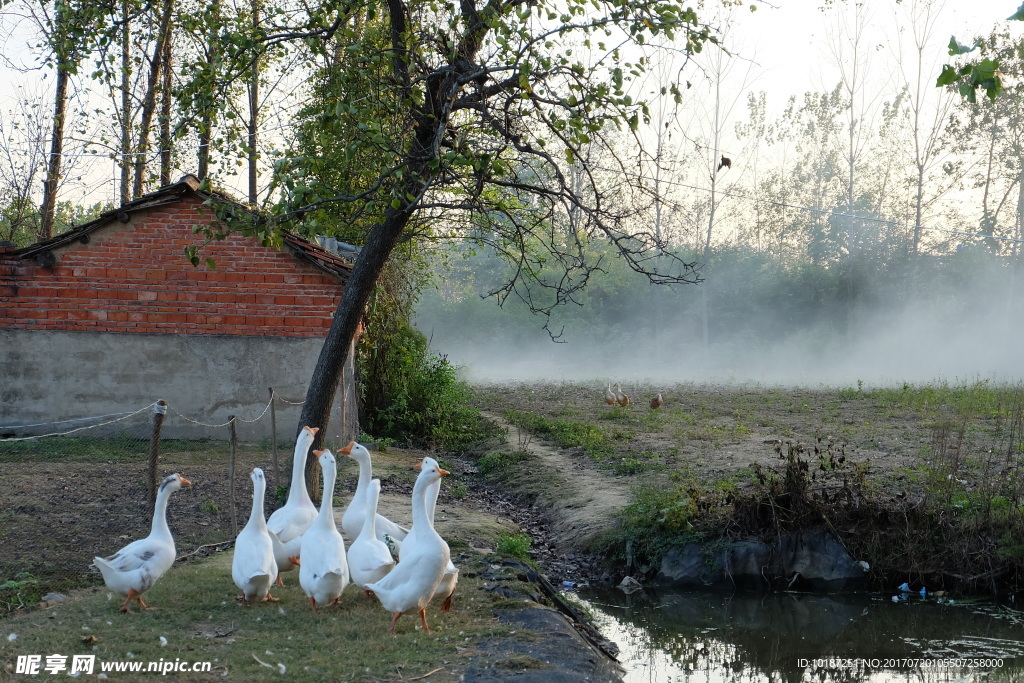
[905, 587]
[568, 584]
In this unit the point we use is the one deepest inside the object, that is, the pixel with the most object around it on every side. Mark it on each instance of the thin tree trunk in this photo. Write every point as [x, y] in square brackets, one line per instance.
[254, 110]
[53, 167]
[126, 105]
[166, 102]
[149, 100]
[206, 119]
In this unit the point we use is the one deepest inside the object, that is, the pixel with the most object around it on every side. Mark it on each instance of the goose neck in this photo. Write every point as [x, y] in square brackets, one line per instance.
[256, 517]
[159, 527]
[327, 502]
[419, 508]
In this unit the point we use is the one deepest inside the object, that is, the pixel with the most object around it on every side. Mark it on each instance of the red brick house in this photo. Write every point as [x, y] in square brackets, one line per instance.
[112, 315]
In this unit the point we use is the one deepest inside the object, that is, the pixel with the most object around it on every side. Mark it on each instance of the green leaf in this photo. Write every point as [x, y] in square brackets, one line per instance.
[984, 70]
[1018, 15]
[947, 76]
[956, 48]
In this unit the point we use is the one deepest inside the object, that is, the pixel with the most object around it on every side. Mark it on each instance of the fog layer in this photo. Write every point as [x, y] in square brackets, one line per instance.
[959, 323]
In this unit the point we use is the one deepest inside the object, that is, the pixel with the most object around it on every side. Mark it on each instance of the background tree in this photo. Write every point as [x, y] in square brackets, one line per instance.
[501, 96]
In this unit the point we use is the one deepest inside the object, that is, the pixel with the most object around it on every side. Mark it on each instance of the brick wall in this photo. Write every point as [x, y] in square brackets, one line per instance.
[134, 277]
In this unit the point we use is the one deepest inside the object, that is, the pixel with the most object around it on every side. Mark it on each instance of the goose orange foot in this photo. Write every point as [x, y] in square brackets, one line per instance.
[271, 598]
[132, 595]
[294, 560]
[279, 582]
[394, 622]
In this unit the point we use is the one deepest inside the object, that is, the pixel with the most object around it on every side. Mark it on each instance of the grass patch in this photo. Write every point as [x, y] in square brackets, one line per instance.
[501, 462]
[196, 613]
[565, 433]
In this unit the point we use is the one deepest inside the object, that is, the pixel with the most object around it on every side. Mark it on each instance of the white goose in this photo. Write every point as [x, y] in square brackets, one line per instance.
[369, 559]
[133, 569]
[287, 524]
[253, 566]
[411, 584]
[323, 573]
[450, 579]
[352, 520]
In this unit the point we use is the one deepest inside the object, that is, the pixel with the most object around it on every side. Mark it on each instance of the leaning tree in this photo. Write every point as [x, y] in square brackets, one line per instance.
[479, 120]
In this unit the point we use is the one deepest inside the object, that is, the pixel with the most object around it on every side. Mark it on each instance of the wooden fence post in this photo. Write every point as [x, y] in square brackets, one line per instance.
[273, 440]
[159, 410]
[231, 473]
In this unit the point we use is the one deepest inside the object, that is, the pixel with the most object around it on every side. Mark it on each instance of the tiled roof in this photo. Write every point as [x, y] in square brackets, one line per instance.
[302, 248]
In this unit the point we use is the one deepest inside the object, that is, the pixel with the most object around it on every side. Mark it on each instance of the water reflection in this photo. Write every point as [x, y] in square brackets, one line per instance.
[702, 636]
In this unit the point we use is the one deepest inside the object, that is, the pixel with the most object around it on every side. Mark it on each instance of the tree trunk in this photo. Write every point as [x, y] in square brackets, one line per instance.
[327, 374]
[53, 167]
[149, 99]
[206, 118]
[166, 102]
[126, 104]
[254, 110]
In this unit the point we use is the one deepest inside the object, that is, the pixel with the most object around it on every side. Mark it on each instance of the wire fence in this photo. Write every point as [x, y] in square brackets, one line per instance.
[79, 488]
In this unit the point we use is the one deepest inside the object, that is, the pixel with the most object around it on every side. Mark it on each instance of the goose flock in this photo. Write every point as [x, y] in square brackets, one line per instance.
[403, 568]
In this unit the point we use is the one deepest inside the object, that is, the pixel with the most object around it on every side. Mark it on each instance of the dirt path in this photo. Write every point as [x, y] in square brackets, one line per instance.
[580, 501]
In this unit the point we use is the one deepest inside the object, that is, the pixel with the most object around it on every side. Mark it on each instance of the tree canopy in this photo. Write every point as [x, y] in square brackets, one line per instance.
[442, 120]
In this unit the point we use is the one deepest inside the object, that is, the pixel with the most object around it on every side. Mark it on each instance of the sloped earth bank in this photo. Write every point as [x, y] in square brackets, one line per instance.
[916, 484]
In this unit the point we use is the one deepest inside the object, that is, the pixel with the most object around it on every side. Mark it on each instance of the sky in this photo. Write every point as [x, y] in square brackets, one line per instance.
[785, 43]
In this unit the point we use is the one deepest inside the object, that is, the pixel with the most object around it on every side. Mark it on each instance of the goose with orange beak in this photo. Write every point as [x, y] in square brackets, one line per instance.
[133, 569]
[410, 586]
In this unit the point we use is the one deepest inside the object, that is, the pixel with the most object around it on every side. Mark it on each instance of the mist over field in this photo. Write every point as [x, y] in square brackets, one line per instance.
[962, 330]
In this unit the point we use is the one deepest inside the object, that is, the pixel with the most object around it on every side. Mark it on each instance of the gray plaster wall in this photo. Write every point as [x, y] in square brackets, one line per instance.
[51, 377]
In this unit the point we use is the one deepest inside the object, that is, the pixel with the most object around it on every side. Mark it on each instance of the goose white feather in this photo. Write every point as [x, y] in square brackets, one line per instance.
[445, 589]
[411, 584]
[352, 521]
[287, 524]
[369, 558]
[323, 572]
[253, 566]
[133, 569]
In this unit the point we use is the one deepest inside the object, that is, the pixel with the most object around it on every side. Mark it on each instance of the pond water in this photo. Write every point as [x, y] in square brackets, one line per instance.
[672, 636]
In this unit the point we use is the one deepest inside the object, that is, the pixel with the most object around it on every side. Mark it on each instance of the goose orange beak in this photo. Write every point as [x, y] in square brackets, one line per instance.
[444, 473]
[184, 481]
[312, 430]
[319, 453]
[347, 450]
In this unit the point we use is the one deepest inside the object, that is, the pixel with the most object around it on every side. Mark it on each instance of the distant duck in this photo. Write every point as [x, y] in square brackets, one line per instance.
[411, 584]
[323, 573]
[133, 569]
[609, 395]
[287, 524]
[620, 397]
[369, 558]
[352, 520]
[657, 401]
[253, 566]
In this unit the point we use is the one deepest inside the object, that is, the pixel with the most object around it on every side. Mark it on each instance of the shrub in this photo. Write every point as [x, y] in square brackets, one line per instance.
[415, 397]
[513, 545]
